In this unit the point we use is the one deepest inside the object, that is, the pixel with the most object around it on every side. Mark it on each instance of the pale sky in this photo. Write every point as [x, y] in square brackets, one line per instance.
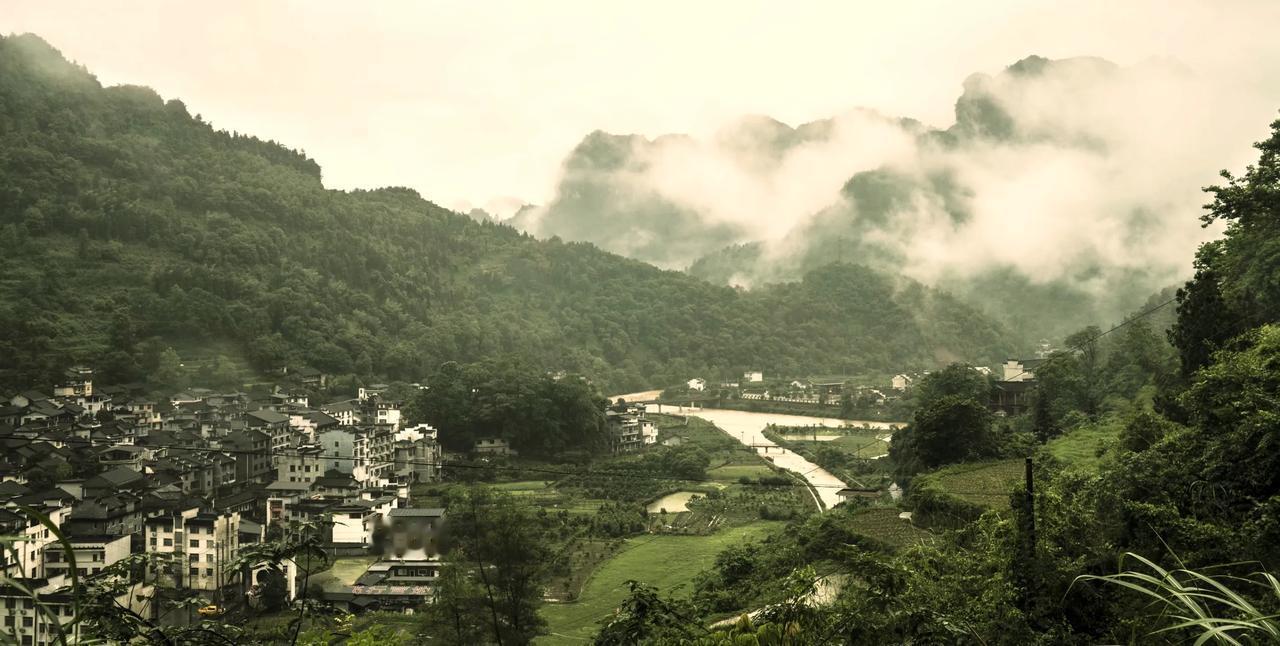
[468, 102]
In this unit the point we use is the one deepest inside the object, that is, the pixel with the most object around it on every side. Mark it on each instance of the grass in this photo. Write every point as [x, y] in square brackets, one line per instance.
[987, 484]
[664, 561]
[862, 444]
[1197, 604]
[1083, 447]
[730, 473]
[523, 486]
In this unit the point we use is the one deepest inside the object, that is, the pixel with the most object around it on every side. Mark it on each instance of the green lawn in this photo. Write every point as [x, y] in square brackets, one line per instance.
[663, 561]
[1081, 447]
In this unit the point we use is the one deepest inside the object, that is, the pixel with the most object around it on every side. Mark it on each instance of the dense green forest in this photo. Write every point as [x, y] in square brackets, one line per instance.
[129, 226]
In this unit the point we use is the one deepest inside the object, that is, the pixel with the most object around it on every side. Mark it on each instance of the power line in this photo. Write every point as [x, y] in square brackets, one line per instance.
[1095, 338]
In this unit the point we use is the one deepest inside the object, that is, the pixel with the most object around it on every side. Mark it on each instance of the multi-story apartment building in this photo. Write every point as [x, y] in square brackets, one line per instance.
[367, 453]
[92, 554]
[630, 430]
[25, 559]
[203, 543]
[417, 455]
[301, 465]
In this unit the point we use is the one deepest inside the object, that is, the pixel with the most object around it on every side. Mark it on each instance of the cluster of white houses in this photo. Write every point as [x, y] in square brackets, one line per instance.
[197, 476]
[1012, 384]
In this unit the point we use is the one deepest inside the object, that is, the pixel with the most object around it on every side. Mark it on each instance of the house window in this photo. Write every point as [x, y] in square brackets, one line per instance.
[195, 542]
[208, 571]
[194, 558]
[168, 542]
[194, 572]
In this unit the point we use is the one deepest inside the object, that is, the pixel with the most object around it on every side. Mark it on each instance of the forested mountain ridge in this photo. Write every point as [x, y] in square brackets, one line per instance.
[129, 225]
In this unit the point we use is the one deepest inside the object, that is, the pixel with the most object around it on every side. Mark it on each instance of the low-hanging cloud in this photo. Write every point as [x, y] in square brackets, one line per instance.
[1074, 170]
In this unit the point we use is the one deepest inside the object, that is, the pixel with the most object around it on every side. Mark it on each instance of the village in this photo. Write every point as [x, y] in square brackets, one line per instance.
[197, 477]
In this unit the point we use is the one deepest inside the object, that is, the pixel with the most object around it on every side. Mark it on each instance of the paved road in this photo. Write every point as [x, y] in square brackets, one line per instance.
[748, 428]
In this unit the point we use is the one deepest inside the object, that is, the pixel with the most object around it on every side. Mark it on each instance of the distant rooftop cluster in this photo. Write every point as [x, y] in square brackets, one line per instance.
[199, 474]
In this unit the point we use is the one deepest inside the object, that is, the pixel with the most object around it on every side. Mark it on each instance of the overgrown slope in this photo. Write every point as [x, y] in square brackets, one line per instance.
[129, 225]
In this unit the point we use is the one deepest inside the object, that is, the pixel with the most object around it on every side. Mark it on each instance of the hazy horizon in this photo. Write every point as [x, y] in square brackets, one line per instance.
[474, 105]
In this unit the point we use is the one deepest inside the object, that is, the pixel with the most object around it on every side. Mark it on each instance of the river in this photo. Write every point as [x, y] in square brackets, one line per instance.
[748, 428]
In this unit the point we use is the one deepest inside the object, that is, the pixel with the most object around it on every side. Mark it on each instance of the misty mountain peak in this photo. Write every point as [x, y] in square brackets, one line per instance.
[40, 57]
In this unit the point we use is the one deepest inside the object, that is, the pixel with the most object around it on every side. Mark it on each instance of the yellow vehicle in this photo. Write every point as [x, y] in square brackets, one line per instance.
[211, 610]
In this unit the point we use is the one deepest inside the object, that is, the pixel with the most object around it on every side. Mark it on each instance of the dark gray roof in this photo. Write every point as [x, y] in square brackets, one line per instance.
[417, 512]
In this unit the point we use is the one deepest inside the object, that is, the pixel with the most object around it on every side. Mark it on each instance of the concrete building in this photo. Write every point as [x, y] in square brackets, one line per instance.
[92, 554]
[203, 542]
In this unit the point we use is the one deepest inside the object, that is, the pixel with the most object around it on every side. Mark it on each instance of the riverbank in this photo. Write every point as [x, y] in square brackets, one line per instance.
[748, 428]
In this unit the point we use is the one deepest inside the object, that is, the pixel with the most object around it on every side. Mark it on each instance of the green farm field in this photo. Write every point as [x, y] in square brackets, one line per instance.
[663, 561]
[863, 444]
[987, 484]
[884, 525]
[1083, 447]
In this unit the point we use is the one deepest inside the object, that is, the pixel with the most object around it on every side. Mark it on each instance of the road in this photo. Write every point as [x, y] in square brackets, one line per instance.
[748, 428]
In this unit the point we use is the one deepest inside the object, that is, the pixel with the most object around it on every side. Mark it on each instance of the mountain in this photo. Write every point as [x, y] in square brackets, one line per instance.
[130, 226]
[1052, 201]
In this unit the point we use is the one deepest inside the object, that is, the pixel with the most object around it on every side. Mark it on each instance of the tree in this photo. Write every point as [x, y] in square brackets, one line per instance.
[508, 560]
[1089, 385]
[956, 380]
[950, 429]
[457, 616]
[1206, 320]
[1046, 427]
[170, 373]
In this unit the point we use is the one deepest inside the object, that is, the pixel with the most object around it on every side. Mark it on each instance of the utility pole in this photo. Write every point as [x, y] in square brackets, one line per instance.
[1030, 504]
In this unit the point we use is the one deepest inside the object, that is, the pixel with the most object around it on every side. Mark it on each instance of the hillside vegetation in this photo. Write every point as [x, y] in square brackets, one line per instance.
[129, 226]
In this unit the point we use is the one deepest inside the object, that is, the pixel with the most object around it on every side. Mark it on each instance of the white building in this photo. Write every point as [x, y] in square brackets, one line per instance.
[365, 452]
[630, 429]
[1019, 369]
[344, 411]
[92, 554]
[698, 384]
[29, 547]
[204, 543]
[900, 382]
[417, 455]
[753, 376]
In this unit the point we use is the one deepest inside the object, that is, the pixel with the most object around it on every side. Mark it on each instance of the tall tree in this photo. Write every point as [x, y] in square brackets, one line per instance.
[509, 560]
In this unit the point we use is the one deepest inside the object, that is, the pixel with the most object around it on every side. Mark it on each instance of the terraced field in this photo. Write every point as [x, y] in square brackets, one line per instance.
[883, 524]
[988, 483]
